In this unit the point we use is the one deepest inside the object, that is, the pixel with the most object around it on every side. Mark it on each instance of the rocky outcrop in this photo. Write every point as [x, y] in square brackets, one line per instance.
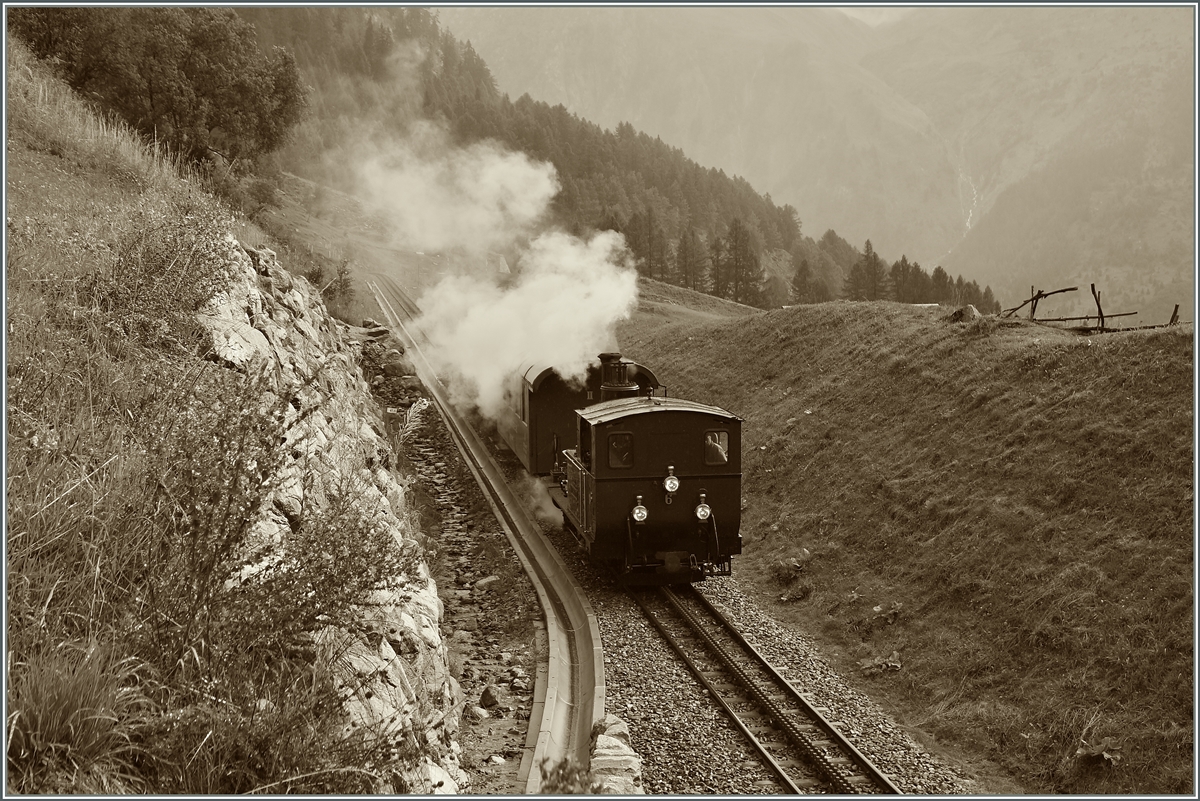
[965, 314]
[394, 664]
[616, 767]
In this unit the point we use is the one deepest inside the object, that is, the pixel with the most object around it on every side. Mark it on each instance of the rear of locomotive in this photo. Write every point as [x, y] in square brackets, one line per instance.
[654, 487]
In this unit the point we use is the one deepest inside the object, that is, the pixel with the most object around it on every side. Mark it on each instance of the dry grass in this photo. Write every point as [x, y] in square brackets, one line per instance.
[1024, 495]
[48, 112]
[134, 470]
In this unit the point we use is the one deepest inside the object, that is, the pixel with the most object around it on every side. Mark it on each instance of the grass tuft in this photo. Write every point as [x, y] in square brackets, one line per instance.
[74, 708]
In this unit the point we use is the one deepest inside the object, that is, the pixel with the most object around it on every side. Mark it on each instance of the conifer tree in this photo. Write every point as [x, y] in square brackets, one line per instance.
[806, 287]
[868, 278]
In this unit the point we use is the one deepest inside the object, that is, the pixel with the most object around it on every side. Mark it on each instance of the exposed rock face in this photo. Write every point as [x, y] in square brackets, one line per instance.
[395, 660]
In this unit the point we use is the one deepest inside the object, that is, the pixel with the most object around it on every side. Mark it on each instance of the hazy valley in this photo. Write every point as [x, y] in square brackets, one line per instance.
[1035, 146]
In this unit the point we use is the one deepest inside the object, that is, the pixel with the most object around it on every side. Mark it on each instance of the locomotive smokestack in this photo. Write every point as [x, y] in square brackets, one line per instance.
[614, 378]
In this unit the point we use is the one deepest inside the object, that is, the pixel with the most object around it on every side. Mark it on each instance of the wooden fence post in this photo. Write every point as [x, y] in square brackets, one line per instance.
[1174, 315]
[1099, 311]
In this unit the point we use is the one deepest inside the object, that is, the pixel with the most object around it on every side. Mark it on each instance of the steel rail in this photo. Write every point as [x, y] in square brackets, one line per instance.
[780, 772]
[860, 760]
[843, 780]
[569, 691]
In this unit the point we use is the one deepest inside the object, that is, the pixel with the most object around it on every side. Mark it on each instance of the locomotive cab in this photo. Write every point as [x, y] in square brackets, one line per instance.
[653, 488]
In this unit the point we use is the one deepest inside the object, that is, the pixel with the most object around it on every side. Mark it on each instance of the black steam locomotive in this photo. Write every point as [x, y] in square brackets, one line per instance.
[648, 484]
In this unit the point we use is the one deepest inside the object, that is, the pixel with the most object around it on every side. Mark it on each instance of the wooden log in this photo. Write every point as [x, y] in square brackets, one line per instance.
[1036, 296]
[1086, 317]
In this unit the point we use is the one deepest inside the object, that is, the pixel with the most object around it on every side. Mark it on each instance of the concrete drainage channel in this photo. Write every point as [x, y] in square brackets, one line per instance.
[569, 691]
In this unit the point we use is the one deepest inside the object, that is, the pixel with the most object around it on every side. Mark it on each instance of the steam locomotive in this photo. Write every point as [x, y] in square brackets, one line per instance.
[649, 485]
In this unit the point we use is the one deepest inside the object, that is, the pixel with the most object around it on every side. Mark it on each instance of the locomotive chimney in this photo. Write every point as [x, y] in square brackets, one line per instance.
[614, 378]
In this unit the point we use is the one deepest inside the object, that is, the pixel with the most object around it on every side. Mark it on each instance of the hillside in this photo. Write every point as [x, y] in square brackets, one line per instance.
[201, 526]
[800, 118]
[1002, 510]
[393, 94]
[1013, 146]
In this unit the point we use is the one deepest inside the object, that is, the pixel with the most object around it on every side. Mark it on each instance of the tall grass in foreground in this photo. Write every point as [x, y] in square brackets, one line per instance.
[135, 471]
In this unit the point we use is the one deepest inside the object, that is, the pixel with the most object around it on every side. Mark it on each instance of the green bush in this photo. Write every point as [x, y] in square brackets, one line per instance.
[168, 261]
[287, 735]
[191, 78]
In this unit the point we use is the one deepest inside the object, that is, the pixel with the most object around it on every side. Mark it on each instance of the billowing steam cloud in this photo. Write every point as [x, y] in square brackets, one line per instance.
[560, 312]
[438, 198]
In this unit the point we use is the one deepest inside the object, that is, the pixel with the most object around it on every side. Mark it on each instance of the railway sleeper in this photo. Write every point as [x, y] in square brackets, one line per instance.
[760, 718]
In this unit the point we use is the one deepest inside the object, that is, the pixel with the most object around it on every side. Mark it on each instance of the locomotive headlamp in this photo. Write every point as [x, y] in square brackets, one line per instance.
[703, 511]
[671, 482]
[639, 512]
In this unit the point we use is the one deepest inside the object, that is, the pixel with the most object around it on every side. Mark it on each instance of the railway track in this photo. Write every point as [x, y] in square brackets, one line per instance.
[799, 744]
[569, 690]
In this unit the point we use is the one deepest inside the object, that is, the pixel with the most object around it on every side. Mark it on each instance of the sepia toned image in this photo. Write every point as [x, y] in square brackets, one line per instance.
[610, 400]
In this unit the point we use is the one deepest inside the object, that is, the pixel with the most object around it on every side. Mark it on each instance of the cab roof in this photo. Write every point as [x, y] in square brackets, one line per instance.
[627, 407]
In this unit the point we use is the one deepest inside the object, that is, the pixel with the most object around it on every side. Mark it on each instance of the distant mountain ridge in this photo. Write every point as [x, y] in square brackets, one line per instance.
[907, 133]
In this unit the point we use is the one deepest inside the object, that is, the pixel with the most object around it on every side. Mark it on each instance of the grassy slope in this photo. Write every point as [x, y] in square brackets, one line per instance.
[1019, 499]
[110, 410]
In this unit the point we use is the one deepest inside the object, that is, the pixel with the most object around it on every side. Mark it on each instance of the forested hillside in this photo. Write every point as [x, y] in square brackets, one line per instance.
[192, 80]
[684, 223]
[248, 94]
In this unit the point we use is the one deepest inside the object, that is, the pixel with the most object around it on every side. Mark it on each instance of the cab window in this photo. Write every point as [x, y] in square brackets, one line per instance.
[620, 450]
[716, 447]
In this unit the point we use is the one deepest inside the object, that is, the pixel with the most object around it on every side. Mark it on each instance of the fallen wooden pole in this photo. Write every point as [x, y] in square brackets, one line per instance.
[1036, 297]
[1086, 317]
[1144, 327]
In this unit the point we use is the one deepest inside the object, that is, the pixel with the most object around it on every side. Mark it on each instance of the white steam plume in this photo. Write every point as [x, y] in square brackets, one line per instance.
[569, 292]
[560, 312]
[537, 499]
[437, 197]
